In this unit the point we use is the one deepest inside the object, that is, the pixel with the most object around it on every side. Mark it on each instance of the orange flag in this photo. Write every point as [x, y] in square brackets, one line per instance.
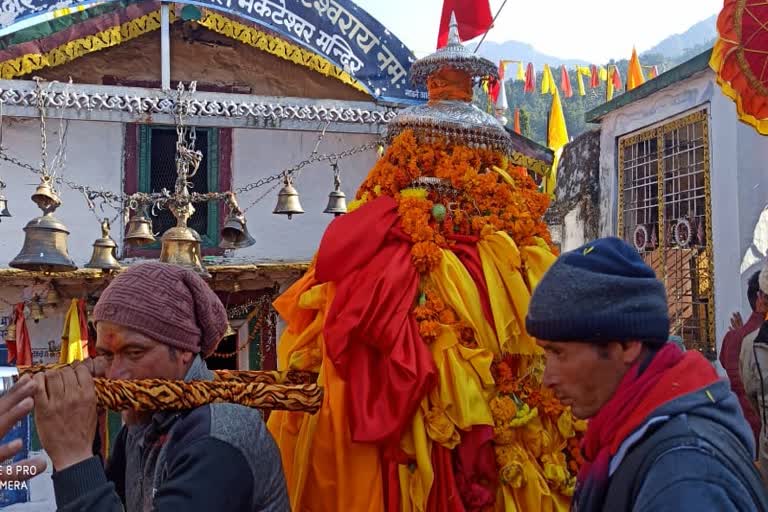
[635, 76]
[653, 72]
[517, 122]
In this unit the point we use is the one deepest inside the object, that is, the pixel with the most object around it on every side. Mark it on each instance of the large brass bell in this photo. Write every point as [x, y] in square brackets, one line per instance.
[181, 246]
[288, 200]
[139, 230]
[45, 237]
[337, 201]
[104, 254]
[234, 234]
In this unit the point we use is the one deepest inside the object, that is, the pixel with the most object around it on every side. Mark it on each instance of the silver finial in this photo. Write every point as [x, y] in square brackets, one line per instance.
[453, 31]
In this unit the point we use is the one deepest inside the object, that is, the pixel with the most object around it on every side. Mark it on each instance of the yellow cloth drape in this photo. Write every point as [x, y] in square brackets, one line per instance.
[71, 338]
[548, 81]
[520, 72]
[325, 471]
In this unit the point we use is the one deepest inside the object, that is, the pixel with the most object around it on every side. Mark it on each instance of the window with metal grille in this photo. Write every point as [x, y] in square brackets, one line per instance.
[665, 212]
[157, 171]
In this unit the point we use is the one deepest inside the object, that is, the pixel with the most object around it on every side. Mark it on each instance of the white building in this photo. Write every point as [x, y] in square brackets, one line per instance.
[684, 181]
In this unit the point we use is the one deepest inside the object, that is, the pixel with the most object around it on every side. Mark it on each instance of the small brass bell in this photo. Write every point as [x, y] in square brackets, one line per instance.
[181, 246]
[45, 239]
[234, 234]
[104, 254]
[337, 201]
[139, 231]
[36, 310]
[10, 334]
[288, 200]
[52, 298]
[45, 197]
[4, 207]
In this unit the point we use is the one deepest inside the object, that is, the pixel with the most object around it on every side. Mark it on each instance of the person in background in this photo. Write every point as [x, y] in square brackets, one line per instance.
[157, 320]
[730, 350]
[665, 433]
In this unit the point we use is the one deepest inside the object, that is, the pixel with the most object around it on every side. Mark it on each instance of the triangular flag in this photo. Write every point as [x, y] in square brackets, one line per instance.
[472, 16]
[530, 79]
[557, 138]
[545, 79]
[71, 337]
[517, 121]
[608, 90]
[635, 76]
[565, 82]
[580, 72]
[594, 82]
[653, 72]
[520, 71]
[616, 77]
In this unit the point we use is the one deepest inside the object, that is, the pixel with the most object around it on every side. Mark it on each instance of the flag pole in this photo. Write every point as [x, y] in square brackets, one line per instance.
[493, 22]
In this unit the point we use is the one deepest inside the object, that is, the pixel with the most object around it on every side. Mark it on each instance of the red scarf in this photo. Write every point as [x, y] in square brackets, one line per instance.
[670, 375]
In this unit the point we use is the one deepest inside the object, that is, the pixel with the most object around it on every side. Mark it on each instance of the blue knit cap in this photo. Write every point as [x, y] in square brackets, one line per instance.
[600, 292]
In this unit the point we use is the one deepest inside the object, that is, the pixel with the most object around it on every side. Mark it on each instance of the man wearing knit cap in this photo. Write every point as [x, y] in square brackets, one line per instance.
[157, 320]
[664, 433]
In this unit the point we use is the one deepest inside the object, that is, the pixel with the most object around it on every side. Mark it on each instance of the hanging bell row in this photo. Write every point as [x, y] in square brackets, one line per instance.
[139, 230]
[288, 198]
[234, 233]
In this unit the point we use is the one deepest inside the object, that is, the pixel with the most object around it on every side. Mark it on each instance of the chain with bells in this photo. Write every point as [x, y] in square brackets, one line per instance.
[288, 202]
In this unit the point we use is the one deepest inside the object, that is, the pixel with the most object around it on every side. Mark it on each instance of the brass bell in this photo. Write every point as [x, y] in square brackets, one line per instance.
[45, 197]
[4, 207]
[181, 246]
[45, 239]
[337, 201]
[36, 310]
[288, 200]
[52, 298]
[10, 334]
[139, 231]
[104, 254]
[234, 234]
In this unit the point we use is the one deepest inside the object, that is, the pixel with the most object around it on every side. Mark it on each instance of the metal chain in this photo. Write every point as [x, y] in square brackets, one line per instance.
[261, 197]
[325, 157]
[41, 95]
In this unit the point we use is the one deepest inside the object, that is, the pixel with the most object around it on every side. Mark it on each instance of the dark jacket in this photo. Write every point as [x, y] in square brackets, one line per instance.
[694, 453]
[215, 457]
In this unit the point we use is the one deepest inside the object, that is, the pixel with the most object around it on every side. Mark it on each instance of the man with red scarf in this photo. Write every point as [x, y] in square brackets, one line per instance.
[664, 433]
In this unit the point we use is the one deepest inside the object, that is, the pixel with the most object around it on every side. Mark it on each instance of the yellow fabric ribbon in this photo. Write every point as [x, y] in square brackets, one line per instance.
[72, 338]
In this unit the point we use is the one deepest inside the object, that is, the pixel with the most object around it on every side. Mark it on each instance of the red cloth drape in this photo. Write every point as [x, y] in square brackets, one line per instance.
[594, 81]
[530, 78]
[20, 351]
[565, 82]
[370, 334]
[444, 495]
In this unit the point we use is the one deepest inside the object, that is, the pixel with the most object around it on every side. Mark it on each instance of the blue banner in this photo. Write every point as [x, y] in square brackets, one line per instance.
[339, 30]
[16, 492]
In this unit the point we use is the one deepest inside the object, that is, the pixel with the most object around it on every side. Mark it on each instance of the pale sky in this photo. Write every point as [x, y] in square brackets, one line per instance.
[592, 30]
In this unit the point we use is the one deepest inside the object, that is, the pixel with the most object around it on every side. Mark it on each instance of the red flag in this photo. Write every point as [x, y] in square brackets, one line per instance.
[594, 82]
[565, 82]
[20, 351]
[616, 79]
[653, 73]
[517, 122]
[530, 78]
[495, 86]
[473, 17]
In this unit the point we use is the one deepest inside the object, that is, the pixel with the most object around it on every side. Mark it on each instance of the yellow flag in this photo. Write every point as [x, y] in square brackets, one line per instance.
[545, 79]
[635, 76]
[580, 80]
[520, 71]
[608, 90]
[557, 138]
[603, 73]
[71, 337]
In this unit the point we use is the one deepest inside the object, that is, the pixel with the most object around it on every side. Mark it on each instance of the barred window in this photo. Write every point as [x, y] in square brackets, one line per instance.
[664, 211]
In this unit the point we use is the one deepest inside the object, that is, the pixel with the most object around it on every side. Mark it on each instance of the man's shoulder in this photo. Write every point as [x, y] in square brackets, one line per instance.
[230, 423]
